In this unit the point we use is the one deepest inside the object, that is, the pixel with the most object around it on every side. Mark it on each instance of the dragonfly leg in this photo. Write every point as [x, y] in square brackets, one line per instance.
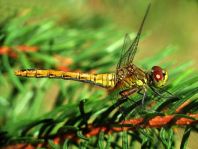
[156, 92]
[143, 95]
[143, 98]
[161, 94]
[125, 95]
[128, 92]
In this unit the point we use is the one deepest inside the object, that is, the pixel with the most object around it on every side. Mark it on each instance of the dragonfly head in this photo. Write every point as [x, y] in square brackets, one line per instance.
[159, 76]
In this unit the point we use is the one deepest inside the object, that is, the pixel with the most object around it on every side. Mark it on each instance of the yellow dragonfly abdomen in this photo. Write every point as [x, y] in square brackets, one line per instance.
[106, 80]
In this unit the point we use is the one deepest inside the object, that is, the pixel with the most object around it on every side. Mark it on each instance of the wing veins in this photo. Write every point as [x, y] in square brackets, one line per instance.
[129, 48]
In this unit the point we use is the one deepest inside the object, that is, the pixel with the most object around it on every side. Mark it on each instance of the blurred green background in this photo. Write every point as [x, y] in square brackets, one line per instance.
[169, 22]
[80, 33]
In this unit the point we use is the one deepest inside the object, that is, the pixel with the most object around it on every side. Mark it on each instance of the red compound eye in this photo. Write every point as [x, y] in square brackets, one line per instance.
[157, 73]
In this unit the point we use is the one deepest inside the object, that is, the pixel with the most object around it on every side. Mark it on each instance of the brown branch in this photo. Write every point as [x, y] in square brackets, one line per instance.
[180, 108]
[156, 122]
[127, 125]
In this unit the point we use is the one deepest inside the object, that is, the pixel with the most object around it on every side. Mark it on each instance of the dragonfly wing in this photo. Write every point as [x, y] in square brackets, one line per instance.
[130, 47]
[128, 52]
[125, 47]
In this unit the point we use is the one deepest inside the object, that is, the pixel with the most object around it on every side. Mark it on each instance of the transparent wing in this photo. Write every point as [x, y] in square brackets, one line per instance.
[128, 52]
[125, 47]
[130, 47]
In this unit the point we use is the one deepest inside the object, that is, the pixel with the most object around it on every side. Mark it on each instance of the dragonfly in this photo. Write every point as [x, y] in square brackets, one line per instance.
[128, 78]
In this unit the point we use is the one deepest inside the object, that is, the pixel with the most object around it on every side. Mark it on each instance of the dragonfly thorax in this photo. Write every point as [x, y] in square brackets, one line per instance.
[131, 76]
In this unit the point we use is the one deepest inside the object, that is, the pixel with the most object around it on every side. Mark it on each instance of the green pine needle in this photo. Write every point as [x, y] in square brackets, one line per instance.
[27, 117]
